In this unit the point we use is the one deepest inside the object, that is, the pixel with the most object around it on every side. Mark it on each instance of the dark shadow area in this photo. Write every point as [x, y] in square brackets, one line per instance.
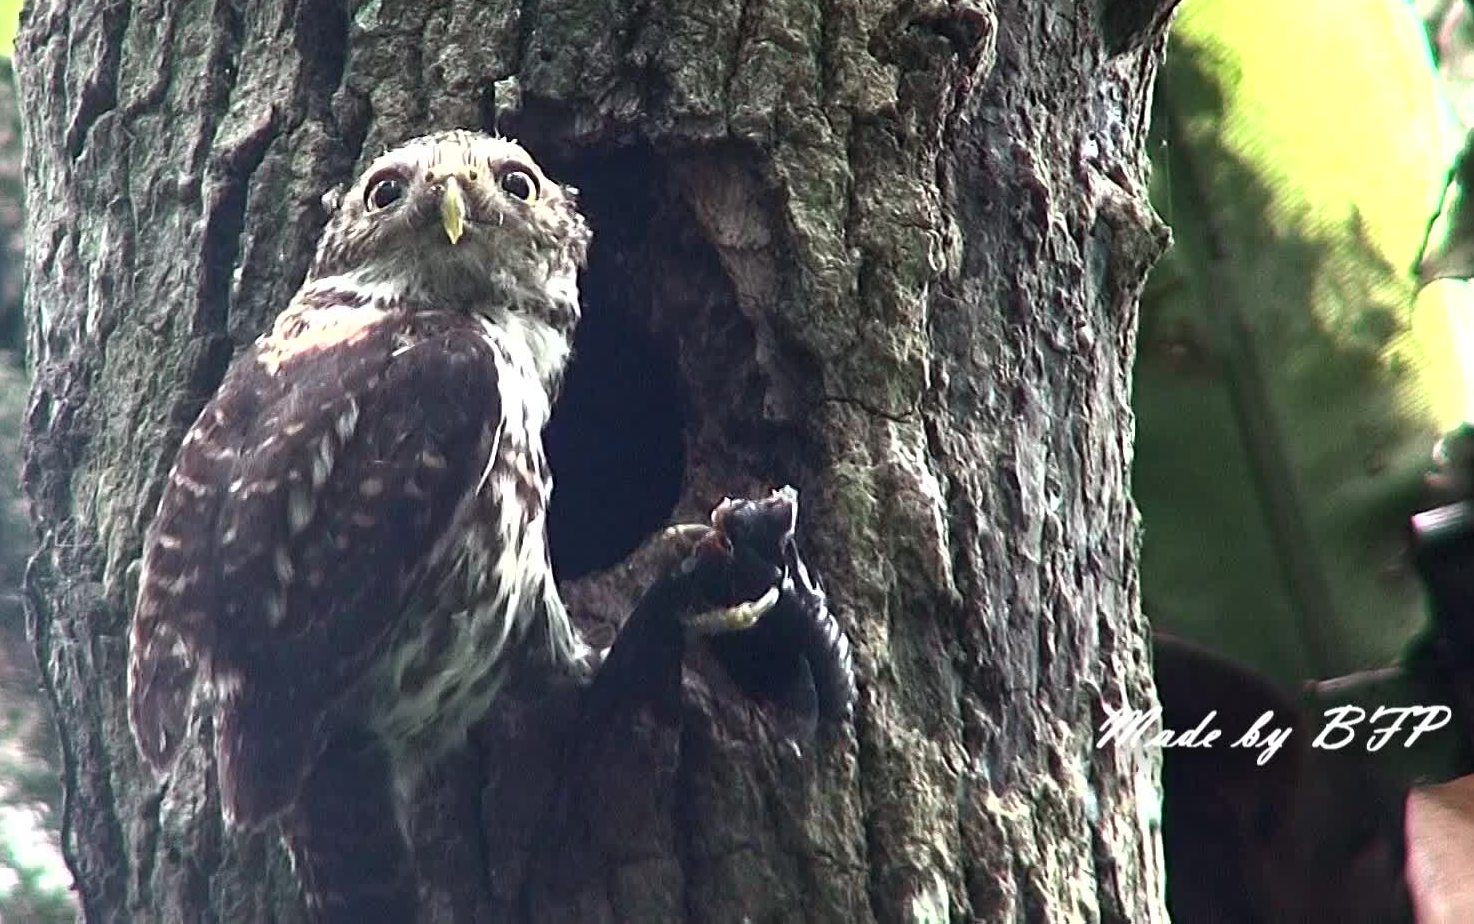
[615, 440]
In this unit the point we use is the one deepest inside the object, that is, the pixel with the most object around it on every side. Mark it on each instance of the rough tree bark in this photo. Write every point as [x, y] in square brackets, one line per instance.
[889, 253]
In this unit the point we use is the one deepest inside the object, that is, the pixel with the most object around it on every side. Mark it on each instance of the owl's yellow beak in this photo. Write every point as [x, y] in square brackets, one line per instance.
[453, 209]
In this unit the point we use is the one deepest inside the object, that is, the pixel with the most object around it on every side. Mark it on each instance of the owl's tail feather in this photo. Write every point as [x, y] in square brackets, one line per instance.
[350, 855]
[264, 746]
[161, 677]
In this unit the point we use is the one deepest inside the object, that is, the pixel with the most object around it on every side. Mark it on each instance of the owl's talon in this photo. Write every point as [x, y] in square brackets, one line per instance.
[744, 593]
[737, 618]
[686, 537]
[685, 532]
[721, 510]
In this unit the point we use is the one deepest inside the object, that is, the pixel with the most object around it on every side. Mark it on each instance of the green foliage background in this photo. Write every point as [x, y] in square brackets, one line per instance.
[29, 783]
[1291, 381]
[9, 20]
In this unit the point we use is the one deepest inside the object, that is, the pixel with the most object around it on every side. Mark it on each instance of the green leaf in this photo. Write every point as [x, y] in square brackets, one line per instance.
[9, 20]
[1290, 384]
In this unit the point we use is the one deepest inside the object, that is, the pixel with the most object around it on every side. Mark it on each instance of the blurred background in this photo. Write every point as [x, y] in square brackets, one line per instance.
[1302, 346]
[33, 880]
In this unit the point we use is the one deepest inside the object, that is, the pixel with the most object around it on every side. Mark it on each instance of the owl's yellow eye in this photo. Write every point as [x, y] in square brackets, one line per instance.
[384, 192]
[518, 184]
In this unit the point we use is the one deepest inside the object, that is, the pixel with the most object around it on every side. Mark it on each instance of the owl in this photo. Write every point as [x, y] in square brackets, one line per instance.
[350, 557]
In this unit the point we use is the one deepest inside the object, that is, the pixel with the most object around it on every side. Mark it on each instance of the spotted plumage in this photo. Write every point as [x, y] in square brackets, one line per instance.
[351, 545]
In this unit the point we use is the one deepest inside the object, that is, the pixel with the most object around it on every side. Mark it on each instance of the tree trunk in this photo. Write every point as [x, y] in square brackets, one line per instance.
[888, 254]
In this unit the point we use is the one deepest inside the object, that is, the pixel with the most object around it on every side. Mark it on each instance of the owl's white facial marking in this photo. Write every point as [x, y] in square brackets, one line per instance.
[464, 219]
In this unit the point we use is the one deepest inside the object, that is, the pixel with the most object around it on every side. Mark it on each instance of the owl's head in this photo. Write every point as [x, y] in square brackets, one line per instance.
[461, 218]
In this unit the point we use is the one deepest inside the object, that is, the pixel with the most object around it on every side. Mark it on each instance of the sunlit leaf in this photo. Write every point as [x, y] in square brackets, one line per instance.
[1290, 385]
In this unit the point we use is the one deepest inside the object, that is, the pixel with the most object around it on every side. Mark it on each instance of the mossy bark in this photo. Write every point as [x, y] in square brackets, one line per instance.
[895, 252]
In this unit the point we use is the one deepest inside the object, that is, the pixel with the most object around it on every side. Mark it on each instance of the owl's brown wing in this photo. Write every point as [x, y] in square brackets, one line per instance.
[327, 476]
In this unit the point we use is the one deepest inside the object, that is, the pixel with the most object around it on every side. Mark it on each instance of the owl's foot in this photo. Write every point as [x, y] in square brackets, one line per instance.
[737, 618]
[794, 656]
[737, 562]
[744, 590]
[766, 619]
